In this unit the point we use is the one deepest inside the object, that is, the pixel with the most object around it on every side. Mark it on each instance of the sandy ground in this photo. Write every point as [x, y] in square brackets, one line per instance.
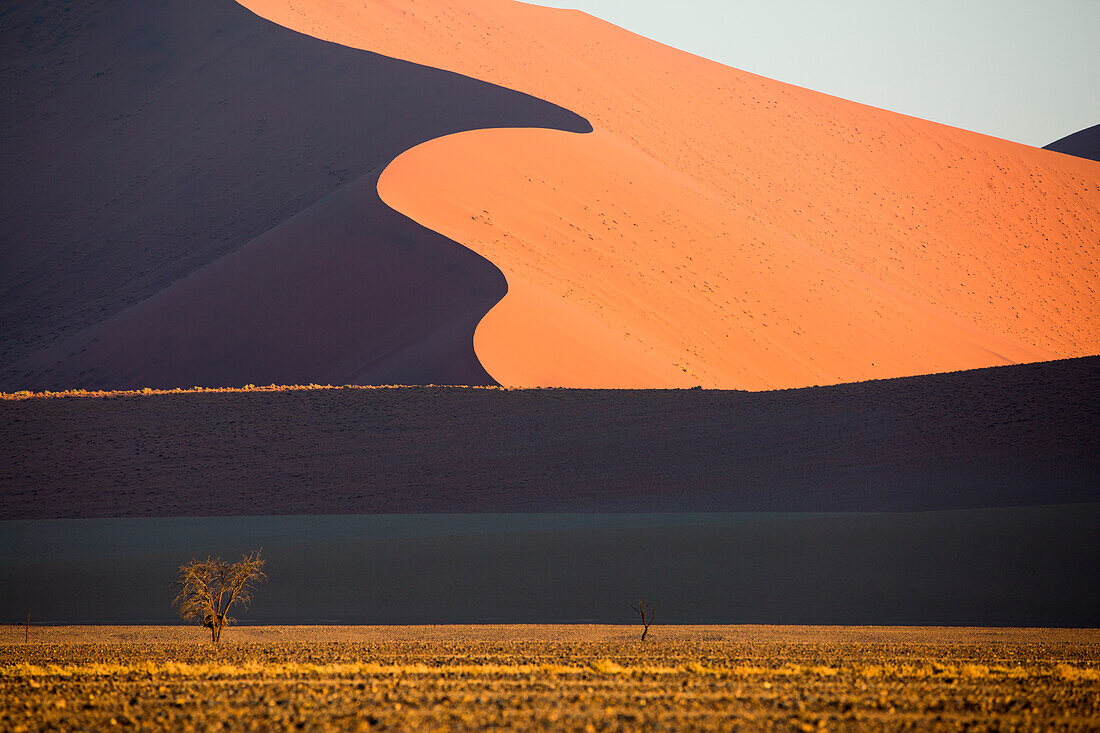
[551, 677]
[723, 229]
[1008, 436]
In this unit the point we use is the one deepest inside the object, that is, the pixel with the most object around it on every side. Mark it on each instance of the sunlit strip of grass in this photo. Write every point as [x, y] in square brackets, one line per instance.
[23, 670]
[147, 391]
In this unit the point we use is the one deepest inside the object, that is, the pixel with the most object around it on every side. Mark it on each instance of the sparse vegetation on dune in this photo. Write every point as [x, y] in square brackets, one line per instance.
[997, 433]
[557, 677]
[149, 391]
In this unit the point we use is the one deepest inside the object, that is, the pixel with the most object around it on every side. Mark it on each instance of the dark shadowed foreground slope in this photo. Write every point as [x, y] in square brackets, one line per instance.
[188, 198]
[1007, 436]
[1083, 143]
[966, 498]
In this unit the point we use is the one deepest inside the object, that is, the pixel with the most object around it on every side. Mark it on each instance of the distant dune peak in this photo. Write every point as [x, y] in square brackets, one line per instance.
[1083, 143]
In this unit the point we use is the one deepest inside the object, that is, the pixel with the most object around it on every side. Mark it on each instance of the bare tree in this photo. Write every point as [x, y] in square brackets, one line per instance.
[646, 612]
[208, 588]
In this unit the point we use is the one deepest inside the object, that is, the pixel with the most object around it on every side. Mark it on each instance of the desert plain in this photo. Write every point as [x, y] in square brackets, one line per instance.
[559, 677]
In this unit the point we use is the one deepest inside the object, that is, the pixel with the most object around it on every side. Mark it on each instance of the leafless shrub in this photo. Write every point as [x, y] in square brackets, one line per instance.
[209, 588]
[646, 612]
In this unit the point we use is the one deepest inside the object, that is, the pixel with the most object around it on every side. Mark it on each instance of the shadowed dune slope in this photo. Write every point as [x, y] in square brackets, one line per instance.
[725, 229]
[1083, 143]
[189, 198]
[1007, 436]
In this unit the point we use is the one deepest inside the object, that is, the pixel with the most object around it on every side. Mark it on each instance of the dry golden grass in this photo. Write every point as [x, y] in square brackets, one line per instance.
[148, 391]
[550, 678]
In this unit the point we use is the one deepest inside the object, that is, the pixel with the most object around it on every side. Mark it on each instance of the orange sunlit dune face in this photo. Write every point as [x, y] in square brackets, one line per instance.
[723, 229]
[648, 279]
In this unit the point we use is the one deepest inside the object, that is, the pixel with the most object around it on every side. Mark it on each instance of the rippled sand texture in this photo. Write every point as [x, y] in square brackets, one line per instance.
[723, 229]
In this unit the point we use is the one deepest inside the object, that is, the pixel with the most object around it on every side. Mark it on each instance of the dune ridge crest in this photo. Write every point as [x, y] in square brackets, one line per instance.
[1006, 436]
[724, 229]
[191, 198]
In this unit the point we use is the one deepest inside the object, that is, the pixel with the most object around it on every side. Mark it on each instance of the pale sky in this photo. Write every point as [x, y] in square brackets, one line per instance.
[1025, 70]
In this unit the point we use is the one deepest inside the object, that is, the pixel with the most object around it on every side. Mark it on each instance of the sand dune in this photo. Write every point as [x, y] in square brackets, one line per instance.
[1083, 143]
[722, 228]
[643, 287]
[1007, 436]
[189, 198]
[347, 291]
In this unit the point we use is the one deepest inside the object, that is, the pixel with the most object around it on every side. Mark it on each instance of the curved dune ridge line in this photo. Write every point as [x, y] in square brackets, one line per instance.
[723, 229]
[191, 198]
[645, 287]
